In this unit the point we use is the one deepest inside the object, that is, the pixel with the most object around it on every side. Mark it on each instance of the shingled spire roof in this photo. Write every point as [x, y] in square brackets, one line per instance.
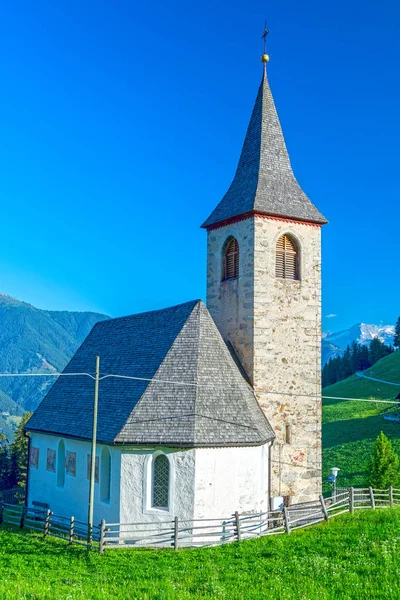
[264, 182]
[189, 391]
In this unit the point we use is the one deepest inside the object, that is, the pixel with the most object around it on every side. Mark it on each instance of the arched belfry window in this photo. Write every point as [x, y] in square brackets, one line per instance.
[160, 482]
[231, 259]
[287, 258]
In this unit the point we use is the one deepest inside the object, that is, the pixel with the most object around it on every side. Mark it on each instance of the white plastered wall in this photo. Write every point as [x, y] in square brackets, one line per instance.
[229, 480]
[136, 485]
[204, 483]
[72, 498]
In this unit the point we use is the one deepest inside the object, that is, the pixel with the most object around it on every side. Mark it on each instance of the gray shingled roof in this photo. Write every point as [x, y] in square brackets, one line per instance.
[178, 345]
[264, 181]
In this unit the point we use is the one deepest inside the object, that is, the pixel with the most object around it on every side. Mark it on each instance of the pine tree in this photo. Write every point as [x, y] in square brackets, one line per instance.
[384, 469]
[378, 350]
[354, 362]
[363, 360]
[19, 454]
[396, 342]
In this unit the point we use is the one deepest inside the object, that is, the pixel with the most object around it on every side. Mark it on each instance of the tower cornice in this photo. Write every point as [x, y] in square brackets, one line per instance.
[254, 214]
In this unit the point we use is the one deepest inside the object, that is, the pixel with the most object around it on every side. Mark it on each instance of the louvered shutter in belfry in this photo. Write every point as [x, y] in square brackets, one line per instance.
[231, 260]
[286, 258]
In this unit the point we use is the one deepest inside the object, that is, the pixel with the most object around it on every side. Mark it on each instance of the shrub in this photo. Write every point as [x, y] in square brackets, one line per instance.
[384, 469]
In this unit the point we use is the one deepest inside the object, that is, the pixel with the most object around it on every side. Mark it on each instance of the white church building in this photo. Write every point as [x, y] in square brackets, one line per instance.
[225, 413]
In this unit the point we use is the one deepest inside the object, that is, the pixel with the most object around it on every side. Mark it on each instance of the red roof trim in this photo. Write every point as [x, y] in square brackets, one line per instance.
[250, 214]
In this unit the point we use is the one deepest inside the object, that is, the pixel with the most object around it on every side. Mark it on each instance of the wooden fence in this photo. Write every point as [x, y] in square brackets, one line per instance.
[198, 532]
[48, 523]
[212, 532]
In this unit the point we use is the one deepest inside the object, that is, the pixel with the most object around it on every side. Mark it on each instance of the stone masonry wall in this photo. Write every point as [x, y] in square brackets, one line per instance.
[287, 357]
[231, 303]
[275, 327]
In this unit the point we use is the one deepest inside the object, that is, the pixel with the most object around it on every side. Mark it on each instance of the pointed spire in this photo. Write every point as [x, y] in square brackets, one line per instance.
[264, 182]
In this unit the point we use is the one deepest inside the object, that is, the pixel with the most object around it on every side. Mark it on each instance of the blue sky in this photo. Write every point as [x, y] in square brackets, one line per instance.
[122, 123]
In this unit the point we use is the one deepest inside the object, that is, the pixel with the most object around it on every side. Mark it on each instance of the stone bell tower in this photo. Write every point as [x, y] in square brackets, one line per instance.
[264, 293]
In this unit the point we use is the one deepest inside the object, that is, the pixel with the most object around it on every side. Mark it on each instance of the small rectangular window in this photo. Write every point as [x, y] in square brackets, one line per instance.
[51, 460]
[34, 457]
[70, 463]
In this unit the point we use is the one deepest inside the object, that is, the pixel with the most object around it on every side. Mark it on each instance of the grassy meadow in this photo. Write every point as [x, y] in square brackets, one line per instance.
[351, 428]
[351, 557]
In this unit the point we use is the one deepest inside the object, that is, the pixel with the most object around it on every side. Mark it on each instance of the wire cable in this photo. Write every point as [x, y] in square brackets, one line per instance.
[184, 383]
[45, 375]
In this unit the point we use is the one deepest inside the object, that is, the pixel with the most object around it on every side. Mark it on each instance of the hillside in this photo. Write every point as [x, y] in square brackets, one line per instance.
[352, 557]
[33, 340]
[350, 428]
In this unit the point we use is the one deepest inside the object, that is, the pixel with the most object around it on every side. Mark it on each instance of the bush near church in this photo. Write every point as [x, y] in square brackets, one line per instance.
[384, 470]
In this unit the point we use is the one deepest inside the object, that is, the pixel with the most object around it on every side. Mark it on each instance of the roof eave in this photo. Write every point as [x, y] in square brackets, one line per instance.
[166, 442]
[257, 213]
[174, 444]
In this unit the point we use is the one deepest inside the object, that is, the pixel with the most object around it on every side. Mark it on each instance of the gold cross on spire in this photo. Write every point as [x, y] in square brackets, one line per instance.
[265, 57]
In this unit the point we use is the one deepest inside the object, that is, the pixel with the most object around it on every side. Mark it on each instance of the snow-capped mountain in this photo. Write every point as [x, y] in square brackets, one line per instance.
[334, 344]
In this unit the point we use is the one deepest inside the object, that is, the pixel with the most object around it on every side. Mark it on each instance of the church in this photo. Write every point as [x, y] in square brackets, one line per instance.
[216, 407]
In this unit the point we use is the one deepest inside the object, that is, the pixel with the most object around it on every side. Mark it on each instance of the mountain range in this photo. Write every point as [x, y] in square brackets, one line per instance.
[334, 344]
[34, 340]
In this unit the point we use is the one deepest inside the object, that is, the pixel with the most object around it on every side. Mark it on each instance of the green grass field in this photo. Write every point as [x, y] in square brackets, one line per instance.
[351, 557]
[350, 428]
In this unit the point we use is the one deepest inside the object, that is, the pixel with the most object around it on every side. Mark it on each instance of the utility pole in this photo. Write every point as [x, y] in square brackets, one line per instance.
[93, 455]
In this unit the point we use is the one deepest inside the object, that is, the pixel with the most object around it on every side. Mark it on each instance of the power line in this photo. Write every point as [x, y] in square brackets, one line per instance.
[45, 375]
[361, 400]
[309, 467]
[185, 383]
[306, 467]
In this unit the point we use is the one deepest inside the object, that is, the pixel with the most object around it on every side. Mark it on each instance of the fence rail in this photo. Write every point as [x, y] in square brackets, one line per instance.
[197, 532]
[212, 532]
[47, 523]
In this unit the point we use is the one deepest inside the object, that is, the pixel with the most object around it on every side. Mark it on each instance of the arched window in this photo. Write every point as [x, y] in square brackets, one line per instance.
[231, 259]
[61, 464]
[105, 475]
[287, 258]
[160, 482]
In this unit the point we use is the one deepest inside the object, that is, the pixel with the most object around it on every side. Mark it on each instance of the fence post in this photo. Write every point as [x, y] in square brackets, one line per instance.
[390, 497]
[323, 508]
[46, 526]
[237, 520]
[286, 519]
[351, 500]
[102, 544]
[71, 530]
[21, 522]
[371, 494]
[1, 513]
[89, 537]
[176, 533]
